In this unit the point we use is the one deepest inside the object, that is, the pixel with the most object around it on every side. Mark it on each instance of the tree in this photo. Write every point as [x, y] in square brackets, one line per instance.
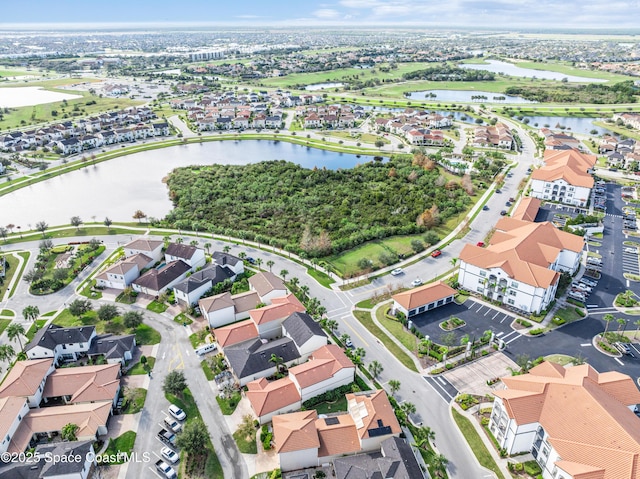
[284, 273]
[60, 274]
[174, 383]
[607, 319]
[132, 319]
[277, 360]
[226, 249]
[523, 361]
[439, 464]
[193, 242]
[394, 386]
[107, 312]
[270, 264]
[139, 215]
[259, 263]
[332, 324]
[68, 432]
[15, 331]
[76, 221]
[621, 323]
[6, 353]
[375, 368]
[423, 436]
[242, 255]
[207, 246]
[247, 428]
[42, 227]
[304, 289]
[45, 245]
[408, 408]
[107, 222]
[344, 338]
[3, 232]
[79, 307]
[31, 312]
[194, 437]
[294, 283]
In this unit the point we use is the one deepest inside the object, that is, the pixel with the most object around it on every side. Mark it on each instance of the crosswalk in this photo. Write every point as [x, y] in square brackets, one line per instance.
[613, 216]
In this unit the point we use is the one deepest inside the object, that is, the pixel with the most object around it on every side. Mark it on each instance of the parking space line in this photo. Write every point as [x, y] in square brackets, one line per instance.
[479, 309]
[621, 363]
[513, 339]
[499, 334]
[497, 313]
[505, 317]
[586, 344]
[488, 311]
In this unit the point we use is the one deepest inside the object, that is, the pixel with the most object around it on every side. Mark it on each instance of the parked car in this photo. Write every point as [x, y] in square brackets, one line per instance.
[631, 250]
[348, 343]
[588, 282]
[416, 282]
[397, 272]
[485, 208]
[169, 455]
[508, 203]
[167, 437]
[498, 190]
[176, 412]
[480, 244]
[172, 424]
[512, 199]
[503, 213]
[623, 348]
[585, 287]
[165, 469]
[251, 260]
[436, 253]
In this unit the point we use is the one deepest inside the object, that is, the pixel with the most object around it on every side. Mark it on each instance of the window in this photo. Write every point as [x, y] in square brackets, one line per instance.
[480, 281]
[571, 188]
[512, 292]
[483, 273]
[511, 301]
[514, 284]
[480, 289]
[547, 185]
[547, 191]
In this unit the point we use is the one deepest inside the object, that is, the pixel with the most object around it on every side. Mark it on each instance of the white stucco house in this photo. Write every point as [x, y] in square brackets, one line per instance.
[149, 247]
[191, 255]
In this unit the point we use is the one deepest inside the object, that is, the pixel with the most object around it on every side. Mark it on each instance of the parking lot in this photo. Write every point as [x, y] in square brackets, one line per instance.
[630, 260]
[477, 316]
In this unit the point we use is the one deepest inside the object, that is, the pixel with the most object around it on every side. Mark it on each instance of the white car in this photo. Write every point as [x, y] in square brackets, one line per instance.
[348, 343]
[173, 424]
[178, 413]
[626, 250]
[169, 455]
[416, 282]
[396, 272]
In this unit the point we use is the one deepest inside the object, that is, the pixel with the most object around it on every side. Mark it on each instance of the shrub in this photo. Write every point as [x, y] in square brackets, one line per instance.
[536, 332]
[523, 322]
[580, 312]
[484, 421]
[532, 468]
[558, 321]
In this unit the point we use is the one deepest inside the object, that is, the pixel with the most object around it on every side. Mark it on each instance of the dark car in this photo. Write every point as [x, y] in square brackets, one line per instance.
[503, 213]
[498, 190]
[485, 208]
[251, 260]
[508, 203]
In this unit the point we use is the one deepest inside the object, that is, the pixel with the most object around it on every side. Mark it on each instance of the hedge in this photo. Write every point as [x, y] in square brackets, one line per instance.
[536, 332]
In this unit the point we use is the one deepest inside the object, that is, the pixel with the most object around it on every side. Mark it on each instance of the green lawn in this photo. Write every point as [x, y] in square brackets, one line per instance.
[395, 328]
[4, 323]
[39, 324]
[157, 307]
[227, 406]
[122, 444]
[562, 359]
[568, 314]
[329, 407]
[477, 445]
[321, 277]
[245, 445]
[183, 319]
[12, 266]
[145, 334]
[135, 406]
[139, 367]
[365, 318]
[7, 312]
[9, 72]
[208, 372]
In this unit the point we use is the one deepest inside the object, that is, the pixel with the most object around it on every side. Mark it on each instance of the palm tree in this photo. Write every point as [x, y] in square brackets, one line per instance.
[360, 352]
[208, 245]
[180, 240]
[344, 337]
[305, 290]
[394, 386]
[14, 331]
[193, 242]
[453, 261]
[242, 255]
[621, 323]
[277, 360]
[375, 368]
[68, 432]
[270, 264]
[294, 283]
[284, 273]
[408, 408]
[226, 249]
[6, 352]
[31, 312]
[424, 435]
[332, 324]
[259, 262]
[439, 464]
[607, 319]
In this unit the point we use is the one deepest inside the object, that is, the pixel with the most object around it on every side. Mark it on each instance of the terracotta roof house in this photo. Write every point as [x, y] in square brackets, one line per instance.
[251, 359]
[67, 466]
[60, 343]
[84, 384]
[13, 409]
[328, 368]
[148, 247]
[565, 177]
[268, 286]
[155, 281]
[304, 440]
[269, 319]
[498, 135]
[235, 333]
[576, 422]
[395, 460]
[90, 417]
[423, 298]
[224, 309]
[191, 255]
[27, 379]
[521, 265]
[306, 333]
[123, 273]
[192, 288]
[527, 209]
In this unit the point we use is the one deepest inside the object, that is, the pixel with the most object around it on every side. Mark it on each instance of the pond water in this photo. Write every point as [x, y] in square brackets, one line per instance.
[568, 124]
[506, 68]
[14, 97]
[118, 187]
[465, 96]
[323, 86]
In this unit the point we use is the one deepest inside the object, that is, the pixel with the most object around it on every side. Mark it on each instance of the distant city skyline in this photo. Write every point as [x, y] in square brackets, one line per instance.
[496, 14]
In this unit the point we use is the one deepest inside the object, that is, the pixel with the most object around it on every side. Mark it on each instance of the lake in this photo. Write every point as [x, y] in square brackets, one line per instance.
[506, 68]
[118, 187]
[569, 124]
[323, 86]
[465, 96]
[14, 97]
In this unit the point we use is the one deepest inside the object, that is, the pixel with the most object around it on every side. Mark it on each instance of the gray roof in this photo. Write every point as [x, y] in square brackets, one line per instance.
[53, 335]
[221, 258]
[179, 250]
[43, 469]
[112, 346]
[156, 279]
[212, 274]
[395, 461]
[253, 356]
[301, 327]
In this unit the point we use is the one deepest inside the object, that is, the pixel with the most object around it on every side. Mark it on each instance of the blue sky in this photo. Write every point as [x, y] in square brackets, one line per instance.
[489, 13]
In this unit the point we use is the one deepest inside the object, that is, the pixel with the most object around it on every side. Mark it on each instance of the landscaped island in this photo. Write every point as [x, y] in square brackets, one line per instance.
[318, 211]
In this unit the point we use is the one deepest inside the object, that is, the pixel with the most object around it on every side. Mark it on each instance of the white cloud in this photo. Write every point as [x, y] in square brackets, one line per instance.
[326, 13]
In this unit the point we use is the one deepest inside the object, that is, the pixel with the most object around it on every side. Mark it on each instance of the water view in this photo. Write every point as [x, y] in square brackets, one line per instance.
[118, 187]
[569, 124]
[505, 68]
[323, 86]
[30, 95]
[466, 96]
